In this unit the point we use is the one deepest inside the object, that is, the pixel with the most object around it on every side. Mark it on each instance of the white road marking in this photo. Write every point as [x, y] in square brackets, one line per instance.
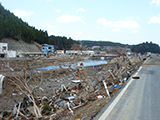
[113, 104]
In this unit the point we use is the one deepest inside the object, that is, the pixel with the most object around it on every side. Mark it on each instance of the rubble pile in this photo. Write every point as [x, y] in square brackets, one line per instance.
[65, 92]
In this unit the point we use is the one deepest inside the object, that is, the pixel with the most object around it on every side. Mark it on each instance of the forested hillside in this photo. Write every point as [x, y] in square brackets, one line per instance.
[62, 42]
[13, 27]
[146, 47]
[101, 43]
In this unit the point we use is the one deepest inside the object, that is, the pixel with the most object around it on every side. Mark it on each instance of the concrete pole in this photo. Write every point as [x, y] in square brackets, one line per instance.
[106, 89]
[1, 83]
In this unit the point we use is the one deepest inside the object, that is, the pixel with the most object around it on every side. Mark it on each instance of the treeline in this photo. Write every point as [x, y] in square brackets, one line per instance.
[13, 27]
[62, 42]
[101, 43]
[146, 47]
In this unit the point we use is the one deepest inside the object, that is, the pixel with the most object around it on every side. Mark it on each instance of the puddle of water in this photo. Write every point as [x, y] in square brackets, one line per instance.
[85, 63]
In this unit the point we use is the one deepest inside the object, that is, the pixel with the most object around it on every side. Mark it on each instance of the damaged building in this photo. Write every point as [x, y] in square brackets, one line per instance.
[10, 48]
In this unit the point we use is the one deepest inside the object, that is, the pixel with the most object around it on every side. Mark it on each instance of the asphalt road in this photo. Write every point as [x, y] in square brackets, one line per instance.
[139, 99]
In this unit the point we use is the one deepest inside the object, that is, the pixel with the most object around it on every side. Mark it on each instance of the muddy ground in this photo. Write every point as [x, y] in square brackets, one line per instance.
[51, 82]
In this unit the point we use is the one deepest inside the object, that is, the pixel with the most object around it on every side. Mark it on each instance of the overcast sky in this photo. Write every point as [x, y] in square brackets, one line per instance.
[124, 21]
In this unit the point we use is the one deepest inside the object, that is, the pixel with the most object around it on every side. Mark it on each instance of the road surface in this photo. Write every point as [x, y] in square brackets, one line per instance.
[139, 99]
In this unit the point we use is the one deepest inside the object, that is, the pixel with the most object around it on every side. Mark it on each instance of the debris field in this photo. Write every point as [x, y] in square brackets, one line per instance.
[63, 93]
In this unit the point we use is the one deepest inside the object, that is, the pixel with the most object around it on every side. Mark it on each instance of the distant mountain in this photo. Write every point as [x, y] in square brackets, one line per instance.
[89, 43]
[140, 48]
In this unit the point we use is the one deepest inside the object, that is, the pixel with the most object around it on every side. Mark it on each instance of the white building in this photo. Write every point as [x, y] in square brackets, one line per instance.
[4, 53]
[88, 52]
[3, 49]
[94, 47]
[60, 52]
[73, 52]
